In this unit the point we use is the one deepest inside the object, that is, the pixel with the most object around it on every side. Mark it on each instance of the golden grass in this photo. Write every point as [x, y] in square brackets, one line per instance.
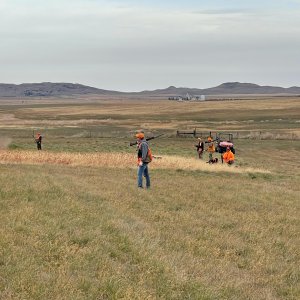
[167, 115]
[117, 160]
[88, 233]
[75, 226]
[129, 107]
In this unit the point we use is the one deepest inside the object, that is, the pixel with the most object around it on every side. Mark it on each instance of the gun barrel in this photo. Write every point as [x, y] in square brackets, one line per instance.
[147, 139]
[154, 137]
[132, 143]
[207, 142]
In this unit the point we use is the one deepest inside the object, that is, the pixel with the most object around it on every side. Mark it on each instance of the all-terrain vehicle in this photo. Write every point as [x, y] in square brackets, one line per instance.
[224, 140]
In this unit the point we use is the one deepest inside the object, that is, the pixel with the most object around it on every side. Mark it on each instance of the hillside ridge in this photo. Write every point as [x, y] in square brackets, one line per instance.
[49, 89]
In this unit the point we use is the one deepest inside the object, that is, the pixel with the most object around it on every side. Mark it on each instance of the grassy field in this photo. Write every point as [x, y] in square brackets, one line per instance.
[73, 224]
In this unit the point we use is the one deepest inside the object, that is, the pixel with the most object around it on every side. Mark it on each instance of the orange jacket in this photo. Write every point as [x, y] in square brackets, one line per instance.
[228, 156]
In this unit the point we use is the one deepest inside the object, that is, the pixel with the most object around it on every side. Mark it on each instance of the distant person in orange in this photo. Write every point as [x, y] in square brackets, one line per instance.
[228, 156]
[210, 149]
[38, 141]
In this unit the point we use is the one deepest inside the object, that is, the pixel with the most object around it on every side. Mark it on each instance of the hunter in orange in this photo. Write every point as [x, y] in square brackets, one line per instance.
[228, 156]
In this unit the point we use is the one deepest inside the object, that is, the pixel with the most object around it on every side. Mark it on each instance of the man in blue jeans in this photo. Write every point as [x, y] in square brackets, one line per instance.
[143, 160]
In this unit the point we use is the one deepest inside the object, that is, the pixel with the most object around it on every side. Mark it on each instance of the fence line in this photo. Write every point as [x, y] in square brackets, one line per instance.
[244, 134]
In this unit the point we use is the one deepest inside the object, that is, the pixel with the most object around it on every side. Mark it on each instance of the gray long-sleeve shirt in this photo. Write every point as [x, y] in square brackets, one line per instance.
[143, 150]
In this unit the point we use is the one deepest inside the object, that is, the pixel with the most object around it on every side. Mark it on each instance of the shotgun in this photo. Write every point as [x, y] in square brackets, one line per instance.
[147, 139]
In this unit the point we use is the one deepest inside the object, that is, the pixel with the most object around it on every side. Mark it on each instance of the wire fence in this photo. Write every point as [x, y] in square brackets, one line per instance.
[243, 134]
[97, 132]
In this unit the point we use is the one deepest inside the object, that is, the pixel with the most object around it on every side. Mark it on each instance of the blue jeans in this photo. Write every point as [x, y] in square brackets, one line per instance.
[143, 170]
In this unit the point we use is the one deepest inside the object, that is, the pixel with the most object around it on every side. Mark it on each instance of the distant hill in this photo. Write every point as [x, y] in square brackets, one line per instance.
[48, 89]
[249, 88]
[229, 88]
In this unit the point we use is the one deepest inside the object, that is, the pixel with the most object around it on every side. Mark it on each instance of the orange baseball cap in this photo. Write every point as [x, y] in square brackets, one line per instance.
[140, 135]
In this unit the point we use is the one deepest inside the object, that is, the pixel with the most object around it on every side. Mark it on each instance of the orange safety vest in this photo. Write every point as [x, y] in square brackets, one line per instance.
[149, 154]
[228, 156]
[211, 148]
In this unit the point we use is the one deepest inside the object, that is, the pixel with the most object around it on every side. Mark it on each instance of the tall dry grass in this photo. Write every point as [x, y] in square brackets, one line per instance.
[117, 160]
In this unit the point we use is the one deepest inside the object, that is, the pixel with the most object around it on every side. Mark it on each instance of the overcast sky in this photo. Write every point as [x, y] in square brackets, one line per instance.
[135, 45]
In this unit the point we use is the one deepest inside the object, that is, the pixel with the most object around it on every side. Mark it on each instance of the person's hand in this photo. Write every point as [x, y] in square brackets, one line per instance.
[140, 163]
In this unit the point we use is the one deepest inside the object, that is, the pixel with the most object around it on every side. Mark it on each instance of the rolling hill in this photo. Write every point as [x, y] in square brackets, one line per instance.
[48, 89]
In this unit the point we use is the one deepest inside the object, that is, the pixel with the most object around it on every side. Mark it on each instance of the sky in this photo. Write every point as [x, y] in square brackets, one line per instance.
[135, 45]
